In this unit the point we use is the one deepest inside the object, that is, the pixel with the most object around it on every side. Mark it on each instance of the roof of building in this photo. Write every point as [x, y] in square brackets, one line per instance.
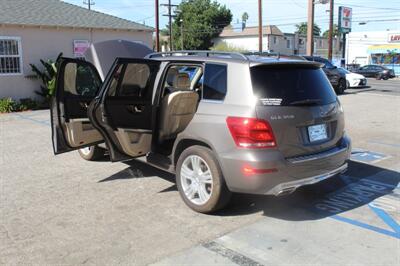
[229, 31]
[55, 13]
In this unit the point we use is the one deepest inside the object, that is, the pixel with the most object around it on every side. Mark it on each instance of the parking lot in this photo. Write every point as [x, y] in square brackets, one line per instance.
[64, 210]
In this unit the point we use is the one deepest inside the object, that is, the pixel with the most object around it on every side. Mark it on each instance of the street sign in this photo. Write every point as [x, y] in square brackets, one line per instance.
[345, 16]
[394, 37]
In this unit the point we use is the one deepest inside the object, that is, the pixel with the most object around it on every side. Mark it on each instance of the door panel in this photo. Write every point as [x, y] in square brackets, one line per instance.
[77, 84]
[125, 111]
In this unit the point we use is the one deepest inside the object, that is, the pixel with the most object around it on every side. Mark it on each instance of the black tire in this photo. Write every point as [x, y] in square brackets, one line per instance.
[385, 77]
[220, 194]
[95, 153]
[341, 87]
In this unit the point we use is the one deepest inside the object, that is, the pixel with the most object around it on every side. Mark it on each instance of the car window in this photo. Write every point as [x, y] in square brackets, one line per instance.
[177, 73]
[132, 80]
[215, 82]
[288, 84]
[81, 79]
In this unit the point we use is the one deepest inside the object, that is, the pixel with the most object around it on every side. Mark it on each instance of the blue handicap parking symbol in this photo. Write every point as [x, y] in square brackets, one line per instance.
[367, 156]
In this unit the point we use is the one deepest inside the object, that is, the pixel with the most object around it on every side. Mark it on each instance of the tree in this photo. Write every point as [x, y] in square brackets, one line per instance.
[245, 17]
[302, 29]
[335, 32]
[200, 21]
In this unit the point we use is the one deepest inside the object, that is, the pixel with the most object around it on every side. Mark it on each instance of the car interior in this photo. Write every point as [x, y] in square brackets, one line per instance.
[128, 108]
[179, 100]
[80, 86]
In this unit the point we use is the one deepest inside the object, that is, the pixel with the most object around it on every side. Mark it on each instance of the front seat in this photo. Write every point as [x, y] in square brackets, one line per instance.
[177, 108]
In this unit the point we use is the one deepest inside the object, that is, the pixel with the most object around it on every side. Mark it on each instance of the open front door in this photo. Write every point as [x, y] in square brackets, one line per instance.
[124, 111]
[77, 83]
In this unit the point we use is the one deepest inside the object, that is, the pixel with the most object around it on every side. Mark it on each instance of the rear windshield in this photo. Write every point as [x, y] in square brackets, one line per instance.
[288, 85]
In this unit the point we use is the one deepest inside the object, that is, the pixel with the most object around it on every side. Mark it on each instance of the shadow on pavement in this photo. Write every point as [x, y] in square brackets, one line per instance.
[358, 187]
[138, 169]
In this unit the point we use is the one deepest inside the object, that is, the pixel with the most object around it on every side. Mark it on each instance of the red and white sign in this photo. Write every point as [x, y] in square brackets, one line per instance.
[394, 37]
[80, 47]
[345, 15]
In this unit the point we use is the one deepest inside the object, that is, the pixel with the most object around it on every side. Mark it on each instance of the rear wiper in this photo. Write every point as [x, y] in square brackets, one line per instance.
[306, 102]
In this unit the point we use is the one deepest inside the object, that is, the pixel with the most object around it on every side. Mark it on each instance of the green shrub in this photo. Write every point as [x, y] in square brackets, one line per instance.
[7, 105]
[225, 47]
[27, 104]
[47, 73]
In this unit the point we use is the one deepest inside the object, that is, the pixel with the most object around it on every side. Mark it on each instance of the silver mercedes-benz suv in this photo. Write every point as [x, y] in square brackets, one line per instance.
[222, 122]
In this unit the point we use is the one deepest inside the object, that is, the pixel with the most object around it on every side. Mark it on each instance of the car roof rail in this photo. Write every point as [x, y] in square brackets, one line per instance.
[233, 55]
[277, 55]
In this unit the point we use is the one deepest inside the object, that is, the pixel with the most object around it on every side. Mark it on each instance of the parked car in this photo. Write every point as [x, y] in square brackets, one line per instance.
[354, 79]
[376, 71]
[235, 124]
[336, 77]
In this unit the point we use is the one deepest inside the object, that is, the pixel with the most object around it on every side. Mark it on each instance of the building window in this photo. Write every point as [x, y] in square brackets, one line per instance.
[288, 44]
[320, 43]
[10, 55]
[275, 40]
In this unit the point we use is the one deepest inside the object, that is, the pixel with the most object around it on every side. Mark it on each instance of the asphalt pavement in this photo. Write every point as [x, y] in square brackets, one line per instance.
[64, 210]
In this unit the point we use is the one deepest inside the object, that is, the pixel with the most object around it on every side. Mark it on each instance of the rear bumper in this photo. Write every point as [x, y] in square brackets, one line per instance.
[284, 175]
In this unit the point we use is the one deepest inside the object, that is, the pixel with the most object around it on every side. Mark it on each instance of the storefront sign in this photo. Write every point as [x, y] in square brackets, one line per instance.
[394, 37]
[345, 15]
[80, 47]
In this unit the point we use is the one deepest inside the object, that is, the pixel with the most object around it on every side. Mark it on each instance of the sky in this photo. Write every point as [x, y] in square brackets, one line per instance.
[379, 15]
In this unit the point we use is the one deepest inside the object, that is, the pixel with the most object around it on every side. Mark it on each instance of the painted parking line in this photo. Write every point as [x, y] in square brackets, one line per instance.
[378, 194]
[42, 122]
[367, 156]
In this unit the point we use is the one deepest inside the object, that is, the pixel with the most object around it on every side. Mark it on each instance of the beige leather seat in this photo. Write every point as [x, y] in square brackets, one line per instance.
[177, 108]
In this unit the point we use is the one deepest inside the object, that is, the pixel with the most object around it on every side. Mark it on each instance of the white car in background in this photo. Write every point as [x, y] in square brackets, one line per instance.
[354, 79]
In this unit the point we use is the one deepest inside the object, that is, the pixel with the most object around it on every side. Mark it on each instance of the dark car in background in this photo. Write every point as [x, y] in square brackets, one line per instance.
[376, 71]
[336, 77]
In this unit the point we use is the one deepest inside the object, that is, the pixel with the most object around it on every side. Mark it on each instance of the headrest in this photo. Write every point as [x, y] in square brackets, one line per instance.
[172, 72]
[182, 81]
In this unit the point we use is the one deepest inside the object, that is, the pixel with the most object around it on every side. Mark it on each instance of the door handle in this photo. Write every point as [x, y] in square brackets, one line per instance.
[136, 109]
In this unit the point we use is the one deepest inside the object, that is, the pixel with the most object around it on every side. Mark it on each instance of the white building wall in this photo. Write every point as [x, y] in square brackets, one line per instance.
[357, 44]
[46, 43]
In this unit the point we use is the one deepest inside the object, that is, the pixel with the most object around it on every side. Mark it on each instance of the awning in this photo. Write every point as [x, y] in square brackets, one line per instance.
[384, 48]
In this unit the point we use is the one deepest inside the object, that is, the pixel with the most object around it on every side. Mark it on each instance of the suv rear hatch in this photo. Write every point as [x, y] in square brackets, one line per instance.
[301, 106]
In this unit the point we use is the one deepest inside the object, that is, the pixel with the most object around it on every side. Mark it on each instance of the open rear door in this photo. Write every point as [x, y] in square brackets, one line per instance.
[77, 84]
[124, 112]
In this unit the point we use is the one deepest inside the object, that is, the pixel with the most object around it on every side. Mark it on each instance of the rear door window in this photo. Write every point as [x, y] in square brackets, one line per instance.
[215, 82]
[286, 85]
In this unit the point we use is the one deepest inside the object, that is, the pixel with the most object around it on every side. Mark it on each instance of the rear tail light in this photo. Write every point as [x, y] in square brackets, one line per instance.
[251, 133]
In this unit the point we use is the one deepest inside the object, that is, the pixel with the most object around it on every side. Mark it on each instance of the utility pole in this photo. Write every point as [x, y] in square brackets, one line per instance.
[170, 16]
[89, 3]
[260, 27]
[157, 27]
[181, 21]
[330, 36]
[310, 28]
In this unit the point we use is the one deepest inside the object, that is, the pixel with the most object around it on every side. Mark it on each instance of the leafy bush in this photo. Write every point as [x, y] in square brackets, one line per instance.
[224, 47]
[48, 77]
[27, 104]
[7, 105]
